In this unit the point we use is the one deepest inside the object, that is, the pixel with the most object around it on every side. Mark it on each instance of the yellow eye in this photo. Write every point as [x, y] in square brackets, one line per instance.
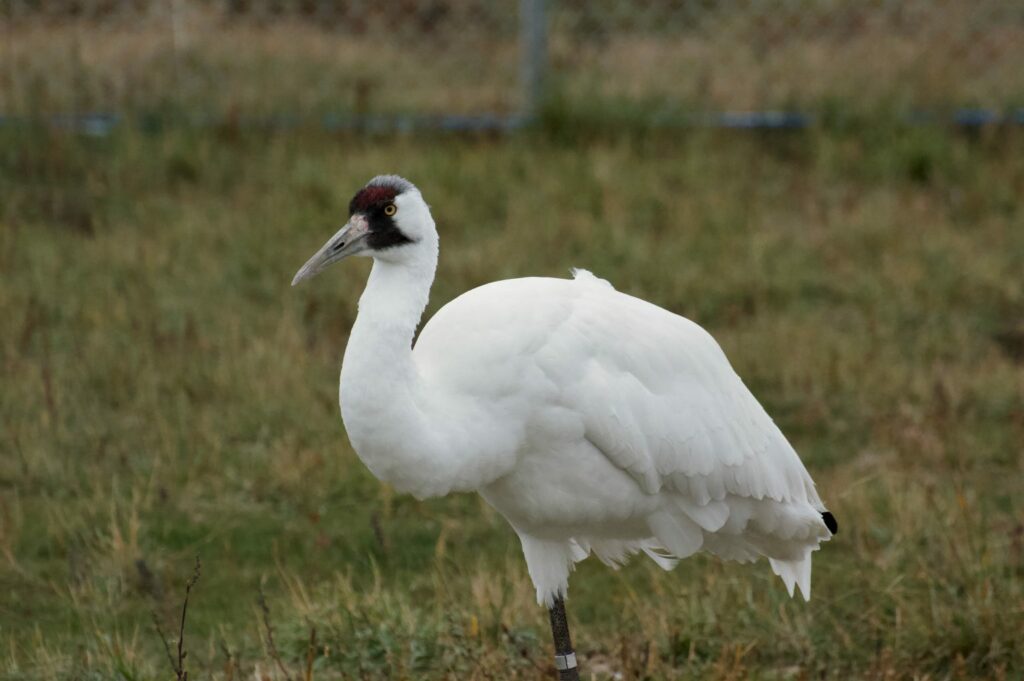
[390, 209]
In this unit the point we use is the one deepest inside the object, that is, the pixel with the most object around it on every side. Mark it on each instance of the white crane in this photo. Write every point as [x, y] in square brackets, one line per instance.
[593, 421]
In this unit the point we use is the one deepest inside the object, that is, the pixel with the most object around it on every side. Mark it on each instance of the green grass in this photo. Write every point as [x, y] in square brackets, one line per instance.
[166, 394]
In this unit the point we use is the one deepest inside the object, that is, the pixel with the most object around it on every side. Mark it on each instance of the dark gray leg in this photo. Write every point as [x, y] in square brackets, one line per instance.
[565, 657]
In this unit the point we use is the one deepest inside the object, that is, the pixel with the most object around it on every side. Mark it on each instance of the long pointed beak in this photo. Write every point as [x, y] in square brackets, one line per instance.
[350, 240]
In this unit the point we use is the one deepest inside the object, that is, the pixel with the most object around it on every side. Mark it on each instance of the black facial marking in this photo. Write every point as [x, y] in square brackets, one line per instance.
[830, 522]
[371, 201]
[384, 233]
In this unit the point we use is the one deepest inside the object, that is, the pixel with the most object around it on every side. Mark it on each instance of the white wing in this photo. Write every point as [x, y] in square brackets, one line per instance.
[657, 396]
[662, 401]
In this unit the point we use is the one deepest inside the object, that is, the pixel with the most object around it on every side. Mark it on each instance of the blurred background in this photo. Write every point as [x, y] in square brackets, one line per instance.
[470, 63]
[832, 188]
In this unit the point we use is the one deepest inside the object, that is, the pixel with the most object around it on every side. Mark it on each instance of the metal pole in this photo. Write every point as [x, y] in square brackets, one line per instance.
[8, 105]
[177, 45]
[533, 43]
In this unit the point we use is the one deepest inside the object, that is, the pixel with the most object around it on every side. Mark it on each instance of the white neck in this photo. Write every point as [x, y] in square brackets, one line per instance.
[405, 431]
[379, 380]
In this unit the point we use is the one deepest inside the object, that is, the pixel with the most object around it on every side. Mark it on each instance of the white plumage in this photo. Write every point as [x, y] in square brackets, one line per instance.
[595, 422]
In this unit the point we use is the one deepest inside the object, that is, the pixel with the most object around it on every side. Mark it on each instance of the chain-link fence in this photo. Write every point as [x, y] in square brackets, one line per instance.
[477, 62]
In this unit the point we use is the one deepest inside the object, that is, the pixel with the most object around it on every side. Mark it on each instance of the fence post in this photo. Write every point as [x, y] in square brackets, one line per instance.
[178, 41]
[533, 44]
[8, 11]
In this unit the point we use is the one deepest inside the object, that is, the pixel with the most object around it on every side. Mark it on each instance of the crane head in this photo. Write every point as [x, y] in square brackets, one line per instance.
[385, 217]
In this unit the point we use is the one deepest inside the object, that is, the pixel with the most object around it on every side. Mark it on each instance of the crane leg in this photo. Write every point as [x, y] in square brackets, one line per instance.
[565, 657]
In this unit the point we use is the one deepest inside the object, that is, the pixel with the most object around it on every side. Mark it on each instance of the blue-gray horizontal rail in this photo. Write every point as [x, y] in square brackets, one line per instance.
[102, 123]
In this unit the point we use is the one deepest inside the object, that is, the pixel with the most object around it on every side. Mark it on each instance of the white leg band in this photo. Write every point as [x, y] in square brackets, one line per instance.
[563, 662]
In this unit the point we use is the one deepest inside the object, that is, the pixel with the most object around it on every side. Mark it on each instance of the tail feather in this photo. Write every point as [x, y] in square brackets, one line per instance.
[657, 554]
[677, 533]
[795, 573]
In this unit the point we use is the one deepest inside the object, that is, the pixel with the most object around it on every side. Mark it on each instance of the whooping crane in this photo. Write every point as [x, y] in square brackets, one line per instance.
[593, 421]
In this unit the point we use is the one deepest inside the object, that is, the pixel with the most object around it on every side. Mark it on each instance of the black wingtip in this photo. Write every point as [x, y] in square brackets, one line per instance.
[830, 522]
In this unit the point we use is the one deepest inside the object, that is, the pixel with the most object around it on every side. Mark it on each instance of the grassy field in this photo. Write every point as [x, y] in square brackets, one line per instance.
[166, 395]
